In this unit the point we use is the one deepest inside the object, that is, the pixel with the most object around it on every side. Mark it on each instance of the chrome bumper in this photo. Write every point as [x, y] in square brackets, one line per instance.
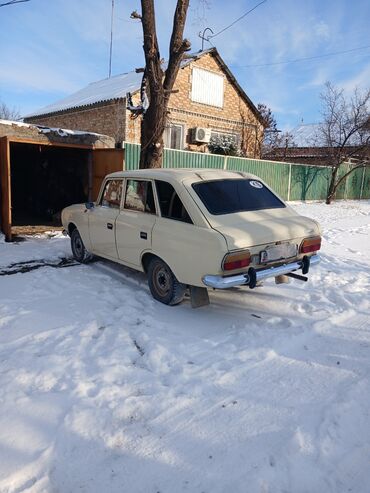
[251, 277]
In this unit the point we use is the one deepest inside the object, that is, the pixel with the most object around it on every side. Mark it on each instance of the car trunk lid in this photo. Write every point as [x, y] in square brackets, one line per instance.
[247, 229]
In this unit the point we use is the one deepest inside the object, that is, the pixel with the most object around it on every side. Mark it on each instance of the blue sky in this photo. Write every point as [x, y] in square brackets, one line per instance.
[51, 48]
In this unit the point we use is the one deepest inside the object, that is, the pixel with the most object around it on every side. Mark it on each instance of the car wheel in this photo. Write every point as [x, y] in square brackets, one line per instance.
[163, 284]
[78, 248]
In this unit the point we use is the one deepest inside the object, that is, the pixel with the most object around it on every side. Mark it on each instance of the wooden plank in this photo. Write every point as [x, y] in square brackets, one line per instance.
[6, 204]
[105, 161]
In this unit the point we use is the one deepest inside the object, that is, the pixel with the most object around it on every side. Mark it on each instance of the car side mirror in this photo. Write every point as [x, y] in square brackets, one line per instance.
[89, 205]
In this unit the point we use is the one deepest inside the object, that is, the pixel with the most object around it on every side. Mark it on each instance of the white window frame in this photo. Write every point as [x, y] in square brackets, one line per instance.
[167, 135]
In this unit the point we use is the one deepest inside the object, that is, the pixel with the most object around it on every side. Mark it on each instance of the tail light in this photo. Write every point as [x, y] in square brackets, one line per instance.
[309, 245]
[236, 260]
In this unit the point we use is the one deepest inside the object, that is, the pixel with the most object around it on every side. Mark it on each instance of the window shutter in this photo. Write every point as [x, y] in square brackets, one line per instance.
[207, 88]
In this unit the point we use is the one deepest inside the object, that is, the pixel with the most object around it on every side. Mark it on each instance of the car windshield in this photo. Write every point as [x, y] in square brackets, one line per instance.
[239, 195]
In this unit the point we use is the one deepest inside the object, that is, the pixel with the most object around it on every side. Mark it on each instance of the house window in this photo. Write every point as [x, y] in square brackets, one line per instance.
[207, 87]
[173, 137]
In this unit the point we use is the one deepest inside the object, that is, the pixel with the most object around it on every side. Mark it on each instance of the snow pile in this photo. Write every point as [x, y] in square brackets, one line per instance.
[14, 122]
[63, 132]
[2, 238]
[104, 389]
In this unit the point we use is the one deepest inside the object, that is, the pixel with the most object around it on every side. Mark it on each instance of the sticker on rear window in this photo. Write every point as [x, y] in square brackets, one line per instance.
[255, 184]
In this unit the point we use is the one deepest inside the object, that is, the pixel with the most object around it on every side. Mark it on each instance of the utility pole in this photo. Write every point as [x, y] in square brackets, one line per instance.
[111, 41]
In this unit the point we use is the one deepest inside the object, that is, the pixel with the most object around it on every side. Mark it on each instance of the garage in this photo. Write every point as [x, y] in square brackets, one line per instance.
[43, 170]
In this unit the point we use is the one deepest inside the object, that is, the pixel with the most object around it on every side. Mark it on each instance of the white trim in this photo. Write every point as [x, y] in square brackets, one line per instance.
[182, 136]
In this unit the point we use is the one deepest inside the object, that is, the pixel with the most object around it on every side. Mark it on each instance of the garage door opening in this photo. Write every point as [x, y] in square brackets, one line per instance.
[44, 180]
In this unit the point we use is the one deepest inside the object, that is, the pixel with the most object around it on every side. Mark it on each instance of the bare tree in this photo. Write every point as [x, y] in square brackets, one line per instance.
[157, 83]
[7, 113]
[344, 132]
[274, 143]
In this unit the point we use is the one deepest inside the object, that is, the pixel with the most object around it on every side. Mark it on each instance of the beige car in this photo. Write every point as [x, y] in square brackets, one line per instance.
[194, 229]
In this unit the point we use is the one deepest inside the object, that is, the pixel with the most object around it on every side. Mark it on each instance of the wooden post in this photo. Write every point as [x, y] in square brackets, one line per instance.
[90, 175]
[6, 203]
[289, 181]
[362, 182]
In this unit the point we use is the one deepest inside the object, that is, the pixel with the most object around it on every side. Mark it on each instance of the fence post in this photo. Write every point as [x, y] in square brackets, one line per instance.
[345, 195]
[226, 158]
[289, 181]
[362, 182]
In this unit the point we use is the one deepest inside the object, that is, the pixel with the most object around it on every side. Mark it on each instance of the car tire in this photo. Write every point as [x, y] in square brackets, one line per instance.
[163, 284]
[78, 248]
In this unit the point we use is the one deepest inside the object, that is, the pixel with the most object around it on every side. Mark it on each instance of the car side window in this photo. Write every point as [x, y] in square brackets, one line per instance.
[139, 196]
[112, 194]
[170, 203]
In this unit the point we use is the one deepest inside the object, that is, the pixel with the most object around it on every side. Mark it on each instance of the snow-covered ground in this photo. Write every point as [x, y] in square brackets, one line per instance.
[102, 389]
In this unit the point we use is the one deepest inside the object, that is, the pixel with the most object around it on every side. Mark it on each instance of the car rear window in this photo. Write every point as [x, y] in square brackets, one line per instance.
[239, 195]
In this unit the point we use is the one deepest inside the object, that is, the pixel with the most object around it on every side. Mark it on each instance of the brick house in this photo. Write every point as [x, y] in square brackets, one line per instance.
[209, 104]
[307, 146]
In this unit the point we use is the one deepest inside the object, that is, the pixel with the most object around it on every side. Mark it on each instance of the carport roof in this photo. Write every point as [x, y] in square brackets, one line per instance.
[19, 131]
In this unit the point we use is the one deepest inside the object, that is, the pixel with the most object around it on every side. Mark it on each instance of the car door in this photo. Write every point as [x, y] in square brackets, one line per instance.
[135, 221]
[102, 219]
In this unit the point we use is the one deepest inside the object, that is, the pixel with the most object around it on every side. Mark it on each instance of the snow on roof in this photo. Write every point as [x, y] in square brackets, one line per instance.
[307, 135]
[13, 122]
[62, 132]
[311, 135]
[96, 92]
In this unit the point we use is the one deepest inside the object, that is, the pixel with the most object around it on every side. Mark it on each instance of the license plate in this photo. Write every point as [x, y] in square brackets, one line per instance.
[278, 252]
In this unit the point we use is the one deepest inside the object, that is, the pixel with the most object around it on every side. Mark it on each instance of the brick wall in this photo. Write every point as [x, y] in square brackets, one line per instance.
[235, 117]
[105, 118]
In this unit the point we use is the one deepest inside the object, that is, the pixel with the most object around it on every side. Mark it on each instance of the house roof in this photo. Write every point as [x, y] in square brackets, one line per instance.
[311, 135]
[117, 87]
[96, 92]
[307, 135]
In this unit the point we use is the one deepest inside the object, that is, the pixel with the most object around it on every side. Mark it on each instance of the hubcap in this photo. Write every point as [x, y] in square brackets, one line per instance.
[78, 246]
[162, 280]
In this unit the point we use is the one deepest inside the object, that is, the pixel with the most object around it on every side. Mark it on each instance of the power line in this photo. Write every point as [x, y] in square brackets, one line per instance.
[237, 20]
[12, 2]
[302, 59]
[111, 40]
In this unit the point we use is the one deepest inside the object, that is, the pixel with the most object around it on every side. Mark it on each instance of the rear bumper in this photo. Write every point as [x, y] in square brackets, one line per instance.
[253, 276]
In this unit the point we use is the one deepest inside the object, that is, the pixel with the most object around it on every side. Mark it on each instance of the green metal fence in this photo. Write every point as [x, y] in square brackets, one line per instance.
[290, 180]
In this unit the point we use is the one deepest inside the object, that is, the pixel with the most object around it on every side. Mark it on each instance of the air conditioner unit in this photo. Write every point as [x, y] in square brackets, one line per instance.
[201, 135]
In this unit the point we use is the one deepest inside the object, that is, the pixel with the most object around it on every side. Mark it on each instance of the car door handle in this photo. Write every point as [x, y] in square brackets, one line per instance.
[109, 225]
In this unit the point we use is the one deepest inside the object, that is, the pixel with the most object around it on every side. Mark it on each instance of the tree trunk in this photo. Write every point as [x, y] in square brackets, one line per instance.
[152, 128]
[333, 185]
[159, 84]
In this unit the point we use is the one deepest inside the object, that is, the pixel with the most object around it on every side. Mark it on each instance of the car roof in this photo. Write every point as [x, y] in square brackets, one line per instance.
[180, 174]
